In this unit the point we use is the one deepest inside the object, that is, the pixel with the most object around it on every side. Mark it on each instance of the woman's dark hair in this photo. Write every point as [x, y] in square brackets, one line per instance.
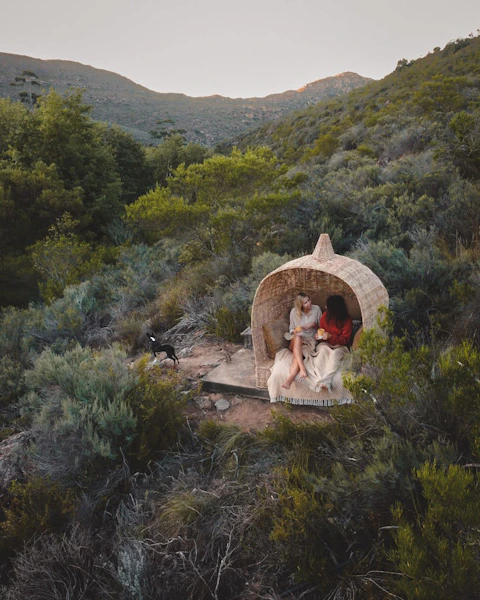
[337, 310]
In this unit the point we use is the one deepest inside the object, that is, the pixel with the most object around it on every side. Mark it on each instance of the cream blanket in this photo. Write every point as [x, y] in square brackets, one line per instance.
[323, 366]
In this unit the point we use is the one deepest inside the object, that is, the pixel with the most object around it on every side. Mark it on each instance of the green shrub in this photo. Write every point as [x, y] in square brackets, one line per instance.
[17, 333]
[194, 281]
[67, 319]
[299, 526]
[440, 392]
[83, 373]
[171, 302]
[458, 389]
[229, 323]
[325, 146]
[78, 409]
[436, 549]
[37, 506]
[335, 492]
[179, 511]
[365, 150]
[157, 402]
[11, 381]
[129, 329]
[134, 280]
[6, 432]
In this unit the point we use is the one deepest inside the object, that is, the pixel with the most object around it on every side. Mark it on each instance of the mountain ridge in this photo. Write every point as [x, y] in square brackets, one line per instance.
[205, 119]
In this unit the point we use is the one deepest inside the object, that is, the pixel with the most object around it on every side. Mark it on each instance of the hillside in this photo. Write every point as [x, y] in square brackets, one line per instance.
[396, 99]
[206, 120]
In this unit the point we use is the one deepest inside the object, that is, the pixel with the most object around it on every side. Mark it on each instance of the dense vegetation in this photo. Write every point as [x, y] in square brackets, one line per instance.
[118, 495]
[393, 177]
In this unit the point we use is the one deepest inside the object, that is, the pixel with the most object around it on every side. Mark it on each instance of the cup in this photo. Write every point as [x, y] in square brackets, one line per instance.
[320, 333]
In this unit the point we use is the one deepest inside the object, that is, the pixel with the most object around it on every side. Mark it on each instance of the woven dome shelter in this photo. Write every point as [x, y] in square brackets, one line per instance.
[319, 275]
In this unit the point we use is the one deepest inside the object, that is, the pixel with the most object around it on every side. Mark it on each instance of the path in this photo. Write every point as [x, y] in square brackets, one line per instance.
[248, 413]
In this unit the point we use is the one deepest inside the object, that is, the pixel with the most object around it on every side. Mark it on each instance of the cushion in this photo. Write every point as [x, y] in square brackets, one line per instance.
[273, 333]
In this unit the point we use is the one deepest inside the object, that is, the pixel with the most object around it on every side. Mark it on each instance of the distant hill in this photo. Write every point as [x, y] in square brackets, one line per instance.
[207, 120]
[379, 110]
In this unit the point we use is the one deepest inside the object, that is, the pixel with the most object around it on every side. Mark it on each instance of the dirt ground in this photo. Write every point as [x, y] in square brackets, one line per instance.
[254, 414]
[248, 413]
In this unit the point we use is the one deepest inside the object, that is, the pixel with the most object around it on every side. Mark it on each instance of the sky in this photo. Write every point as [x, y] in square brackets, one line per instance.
[230, 47]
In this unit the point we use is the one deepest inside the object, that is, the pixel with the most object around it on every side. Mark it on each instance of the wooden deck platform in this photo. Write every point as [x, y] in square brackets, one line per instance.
[235, 377]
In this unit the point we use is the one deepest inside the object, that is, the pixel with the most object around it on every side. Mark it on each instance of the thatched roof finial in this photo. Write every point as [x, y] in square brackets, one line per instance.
[324, 249]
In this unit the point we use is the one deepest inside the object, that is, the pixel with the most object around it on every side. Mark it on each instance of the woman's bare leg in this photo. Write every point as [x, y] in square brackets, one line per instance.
[293, 373]
[298, 355]
[297, 362]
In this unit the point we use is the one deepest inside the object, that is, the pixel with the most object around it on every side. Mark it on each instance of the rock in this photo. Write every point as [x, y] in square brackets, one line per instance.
[204, 402]
[222, 404]
[13, 459]
[186, 351]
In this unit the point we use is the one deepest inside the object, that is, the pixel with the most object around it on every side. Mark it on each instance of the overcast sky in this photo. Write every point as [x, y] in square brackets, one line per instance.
[230, 47]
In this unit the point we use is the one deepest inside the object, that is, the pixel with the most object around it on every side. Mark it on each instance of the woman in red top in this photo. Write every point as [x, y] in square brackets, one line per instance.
[336, 322]
[338, 327]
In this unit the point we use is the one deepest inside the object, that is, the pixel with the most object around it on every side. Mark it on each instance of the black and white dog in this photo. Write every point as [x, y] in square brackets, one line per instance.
[155, 347]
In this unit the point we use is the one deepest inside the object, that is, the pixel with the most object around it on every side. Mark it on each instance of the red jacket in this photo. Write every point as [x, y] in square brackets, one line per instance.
[339, 336]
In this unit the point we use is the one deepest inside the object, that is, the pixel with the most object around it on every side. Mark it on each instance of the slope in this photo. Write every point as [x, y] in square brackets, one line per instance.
[399, 98]
[207, 120]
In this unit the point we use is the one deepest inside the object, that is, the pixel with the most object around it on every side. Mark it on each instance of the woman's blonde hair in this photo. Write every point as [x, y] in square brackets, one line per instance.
[299, 302]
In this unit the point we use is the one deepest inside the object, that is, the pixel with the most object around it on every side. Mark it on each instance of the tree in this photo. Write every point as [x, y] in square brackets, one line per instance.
[465, 145]
[131, 163]
[170, 154]
[226, 204]
[60, 132]
[62, 258]
[30, 201]
[11, 116]
[441, 94]
[28, 80]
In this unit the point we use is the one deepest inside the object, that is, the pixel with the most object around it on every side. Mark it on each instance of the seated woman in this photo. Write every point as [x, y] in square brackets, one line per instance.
[323, 384]
[334, 334]
[304, 319]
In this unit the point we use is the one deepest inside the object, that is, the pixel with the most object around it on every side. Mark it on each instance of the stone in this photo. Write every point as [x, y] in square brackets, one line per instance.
[186, 351]
[204, 402]
[222, 404]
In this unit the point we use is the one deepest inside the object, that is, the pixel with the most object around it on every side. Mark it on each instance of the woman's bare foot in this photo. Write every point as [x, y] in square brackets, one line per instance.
[303, 374]
[324, 387]
[287, 384]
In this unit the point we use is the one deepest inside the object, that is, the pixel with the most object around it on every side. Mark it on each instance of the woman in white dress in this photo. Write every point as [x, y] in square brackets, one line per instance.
[304, 321]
